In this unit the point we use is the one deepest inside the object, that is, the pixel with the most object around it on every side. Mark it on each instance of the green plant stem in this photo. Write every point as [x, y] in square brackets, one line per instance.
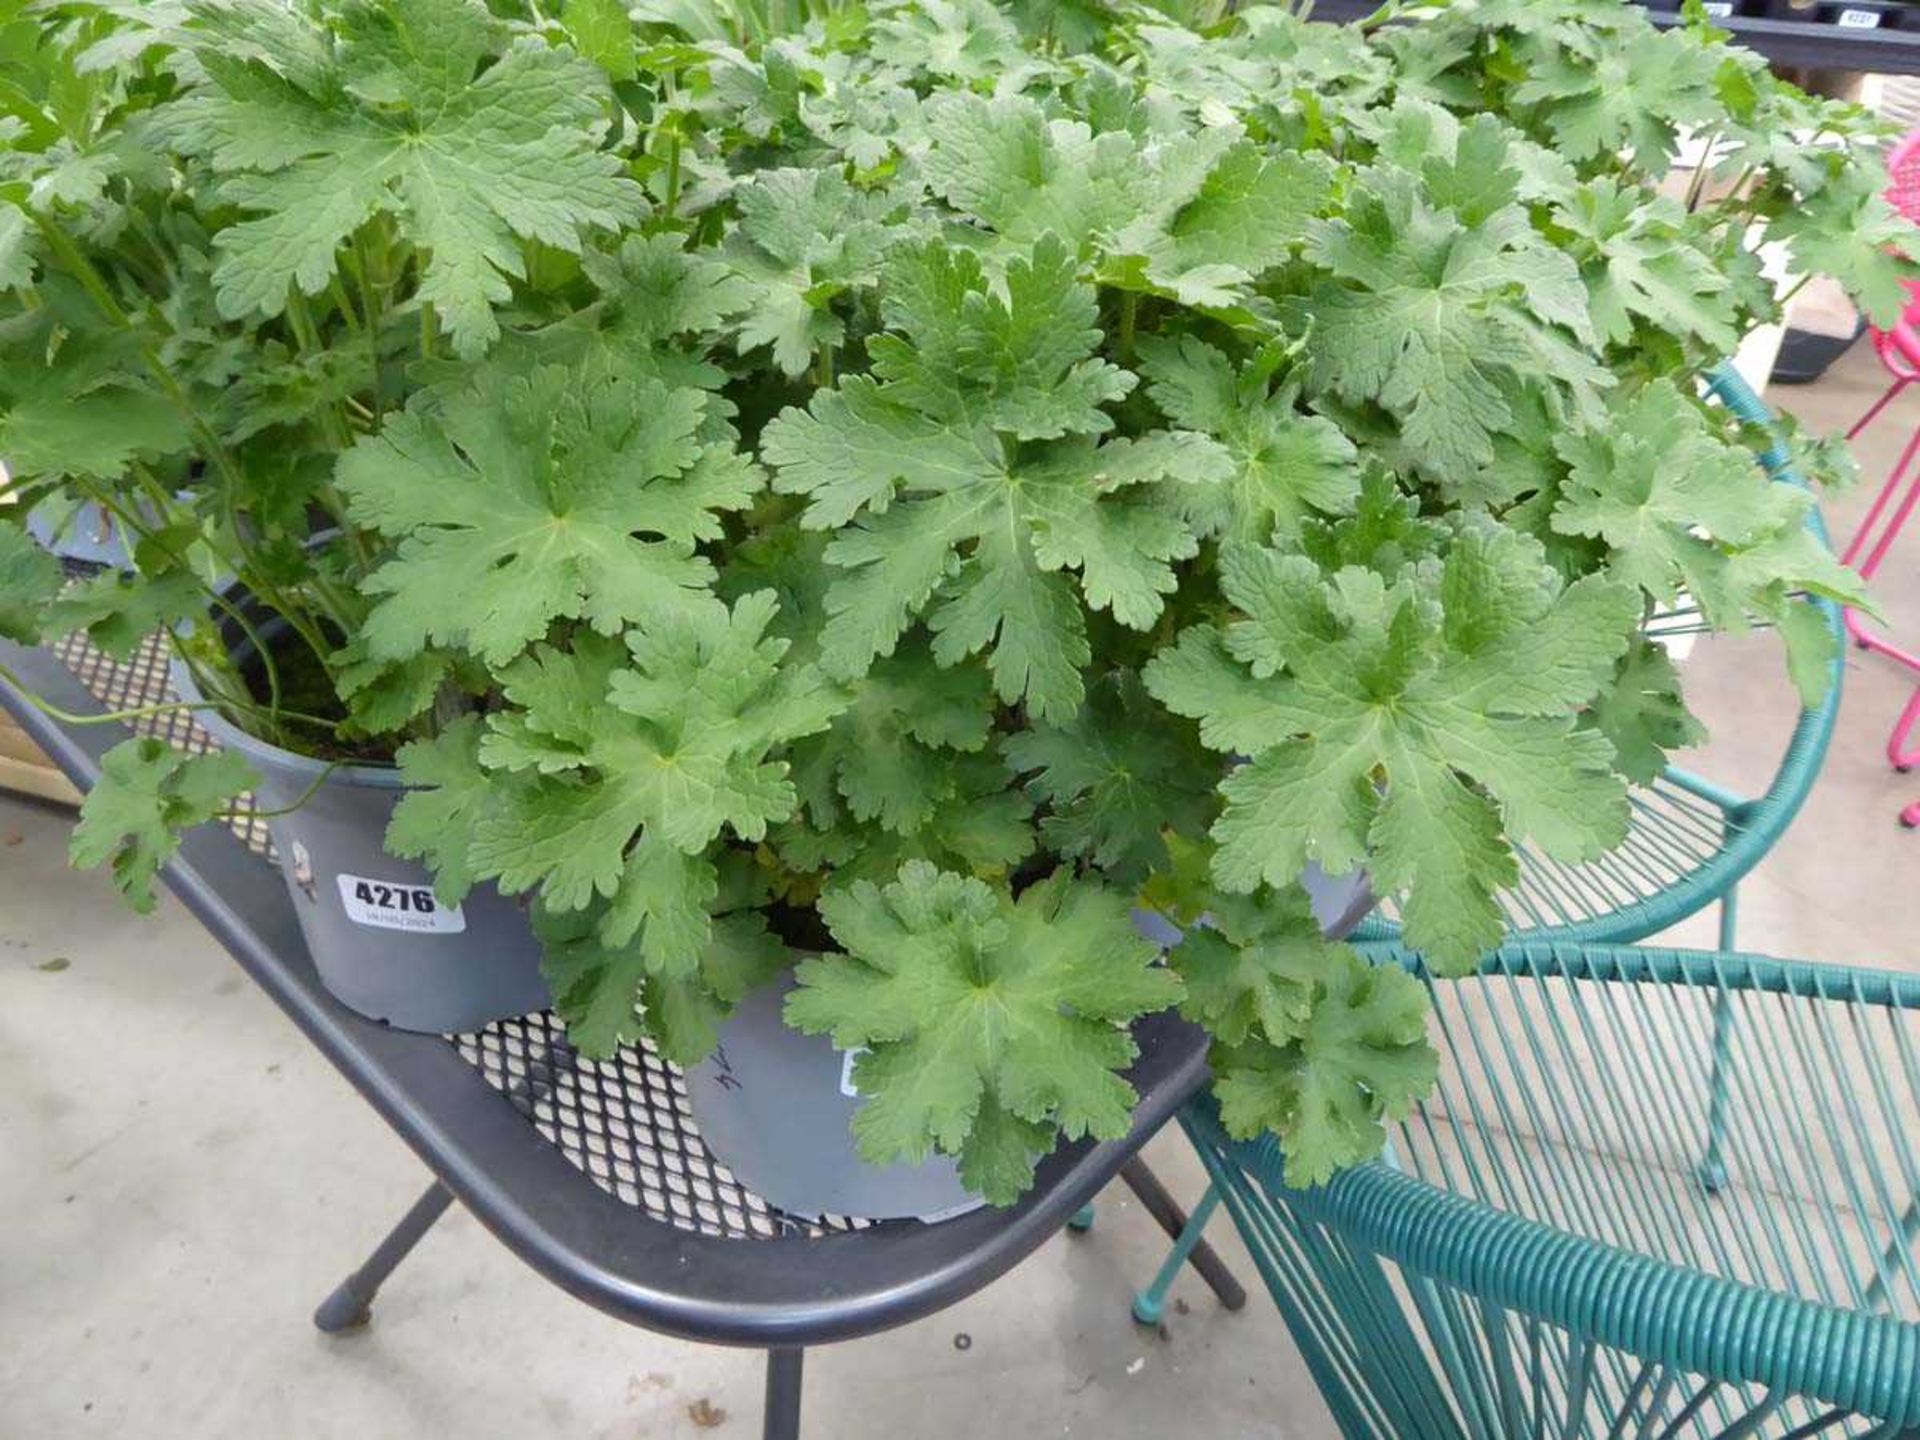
[139, 224]
[90, 280]
[301, 319]
[1734, 206]
[823, 367]
[260, 647]
[1129, 307]
[337, 293]
[142, 712]
[673, 172]
[1697, 186]
[131, 521]
[336, 506]
[298, 802]
[1389, 11]
[371, 318]
[344, 610]
[211, 447]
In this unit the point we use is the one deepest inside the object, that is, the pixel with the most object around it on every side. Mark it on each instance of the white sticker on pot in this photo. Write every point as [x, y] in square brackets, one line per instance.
[847, 1057]
[1859, 20]
[388, 905]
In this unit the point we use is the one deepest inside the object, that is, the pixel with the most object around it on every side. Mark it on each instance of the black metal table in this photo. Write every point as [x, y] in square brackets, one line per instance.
[593, 1173]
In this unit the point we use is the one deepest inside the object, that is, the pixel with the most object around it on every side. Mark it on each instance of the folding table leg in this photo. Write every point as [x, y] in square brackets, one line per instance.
[351, 1302]
[1153, 1195]
[783, 1394]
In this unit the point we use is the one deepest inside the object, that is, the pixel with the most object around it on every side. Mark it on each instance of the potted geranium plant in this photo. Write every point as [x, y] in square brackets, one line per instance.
[905, 486]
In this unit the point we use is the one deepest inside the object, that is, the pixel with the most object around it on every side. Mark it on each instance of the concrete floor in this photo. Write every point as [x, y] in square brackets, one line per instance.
[182, 1178]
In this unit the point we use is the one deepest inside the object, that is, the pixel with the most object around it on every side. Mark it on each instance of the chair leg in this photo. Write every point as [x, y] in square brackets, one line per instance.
[782, 1420]
[1900, 383]
[1900, 738]
[1150, 1303]
[1889, 487]
[1874, 538]
[350, 1304]
[1171, 1218]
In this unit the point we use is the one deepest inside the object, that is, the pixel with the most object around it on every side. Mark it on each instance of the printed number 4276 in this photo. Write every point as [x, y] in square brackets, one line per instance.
[394, 897]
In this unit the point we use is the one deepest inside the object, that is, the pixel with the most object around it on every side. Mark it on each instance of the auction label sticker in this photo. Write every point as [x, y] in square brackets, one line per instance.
[1859, 20]
[386, 905]
[848, 1058]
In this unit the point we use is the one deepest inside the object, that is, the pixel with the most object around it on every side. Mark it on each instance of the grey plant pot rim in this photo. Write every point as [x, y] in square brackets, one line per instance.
[305, 767]
[287, 762]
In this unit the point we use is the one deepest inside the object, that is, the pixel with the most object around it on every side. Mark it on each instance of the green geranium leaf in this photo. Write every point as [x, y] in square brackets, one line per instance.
[882, 756]
[419, 109]
[1436, 317]
[120, 610]
[1683, 511]
[448, 793]
[657, 302]
[1418, 723]
[1312, 1043]
[1024, 176]
[1634, 94]
[538, 498]
[30, 578]
[953, 516]
[1643, 715]
[614, 995]
[991, 1025]
[806, 238]
[1117, 777]
[1287, 465]
[147, 795]
[1643, 265]
[1356, 1061]
[73, 400]
[630, 761]
[1225, 214]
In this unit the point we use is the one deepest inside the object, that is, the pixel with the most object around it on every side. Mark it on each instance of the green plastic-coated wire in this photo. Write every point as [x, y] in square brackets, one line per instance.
[1542, 1253]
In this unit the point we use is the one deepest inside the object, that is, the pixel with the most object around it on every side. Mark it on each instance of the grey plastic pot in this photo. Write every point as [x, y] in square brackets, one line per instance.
[83, 531]
[86, 533]
[382, 942]
[776, 1106]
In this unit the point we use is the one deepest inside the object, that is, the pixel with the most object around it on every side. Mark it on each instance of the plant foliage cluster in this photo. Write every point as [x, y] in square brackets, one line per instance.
[910, 481]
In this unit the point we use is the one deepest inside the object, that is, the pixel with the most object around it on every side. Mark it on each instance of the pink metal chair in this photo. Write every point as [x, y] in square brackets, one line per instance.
[1899, 350]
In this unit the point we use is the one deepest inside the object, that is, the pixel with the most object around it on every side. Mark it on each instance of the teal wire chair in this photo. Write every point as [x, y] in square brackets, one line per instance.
[1690, 844]
[1539, 1255]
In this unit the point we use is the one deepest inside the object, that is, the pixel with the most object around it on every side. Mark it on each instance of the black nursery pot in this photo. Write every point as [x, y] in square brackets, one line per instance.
[383, 943]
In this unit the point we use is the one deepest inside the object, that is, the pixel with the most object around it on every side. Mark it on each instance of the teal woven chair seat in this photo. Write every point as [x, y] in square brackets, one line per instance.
[1658, 1193]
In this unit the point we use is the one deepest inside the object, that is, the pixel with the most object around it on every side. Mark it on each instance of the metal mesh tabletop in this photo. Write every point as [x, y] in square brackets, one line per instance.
[593, 1173]
[624, 1123]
